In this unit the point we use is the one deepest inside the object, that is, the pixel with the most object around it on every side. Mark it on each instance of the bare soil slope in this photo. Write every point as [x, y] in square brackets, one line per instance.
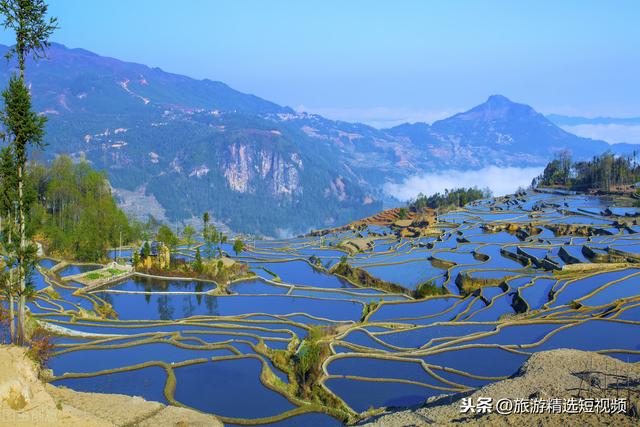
[26, 400]
[546, 375]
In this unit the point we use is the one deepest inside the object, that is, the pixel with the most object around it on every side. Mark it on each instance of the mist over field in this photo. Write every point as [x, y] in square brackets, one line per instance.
[500, 180]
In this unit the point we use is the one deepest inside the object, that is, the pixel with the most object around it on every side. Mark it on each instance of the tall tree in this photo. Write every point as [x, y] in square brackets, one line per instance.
[205, 221]
[166, 236]
[28, 20]
[23, 127]
[8, 195]
[211, 239]
[197, 263]
[76, 210]
[187, 233]
[238, 246]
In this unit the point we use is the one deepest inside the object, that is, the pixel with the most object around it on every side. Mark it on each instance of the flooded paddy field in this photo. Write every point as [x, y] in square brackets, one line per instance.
[509, 277]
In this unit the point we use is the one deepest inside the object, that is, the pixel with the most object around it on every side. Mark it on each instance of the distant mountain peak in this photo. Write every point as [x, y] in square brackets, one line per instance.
[500, 122]
[498, 100]
[503, 104]
[497, 108]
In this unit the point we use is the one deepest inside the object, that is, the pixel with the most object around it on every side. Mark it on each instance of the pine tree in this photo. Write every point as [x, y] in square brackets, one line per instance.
[187, 234]
[238, 246]
[197, 263]
[8, 196]
[205, 221]
[23, 127]
[146, 250]
[166, 236]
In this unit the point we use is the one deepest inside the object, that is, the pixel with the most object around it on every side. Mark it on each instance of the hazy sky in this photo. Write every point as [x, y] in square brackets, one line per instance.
[376, 61]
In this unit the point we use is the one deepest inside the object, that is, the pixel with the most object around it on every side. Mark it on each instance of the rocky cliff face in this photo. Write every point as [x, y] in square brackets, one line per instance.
[246, 168]
[175, 147]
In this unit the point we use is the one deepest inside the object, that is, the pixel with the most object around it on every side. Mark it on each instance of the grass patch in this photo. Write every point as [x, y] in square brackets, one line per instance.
[103, 273]
[363, 278]
[93, 276]
[429, 288]
[469, 285]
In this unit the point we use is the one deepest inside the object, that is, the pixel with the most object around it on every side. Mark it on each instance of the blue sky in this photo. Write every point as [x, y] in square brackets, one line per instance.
[380, 61]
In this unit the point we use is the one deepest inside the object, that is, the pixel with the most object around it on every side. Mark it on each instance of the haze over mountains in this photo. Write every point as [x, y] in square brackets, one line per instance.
[562, 120]
[610, 129]
[175, 146]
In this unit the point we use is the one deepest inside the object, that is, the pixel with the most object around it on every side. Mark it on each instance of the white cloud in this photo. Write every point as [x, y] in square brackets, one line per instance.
[500, 180]
[610, 133]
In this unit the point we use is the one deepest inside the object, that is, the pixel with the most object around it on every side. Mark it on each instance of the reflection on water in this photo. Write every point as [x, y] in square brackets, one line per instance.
[519, 303]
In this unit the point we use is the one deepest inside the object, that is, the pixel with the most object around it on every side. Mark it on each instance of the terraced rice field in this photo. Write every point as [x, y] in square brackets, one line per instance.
[509, 292]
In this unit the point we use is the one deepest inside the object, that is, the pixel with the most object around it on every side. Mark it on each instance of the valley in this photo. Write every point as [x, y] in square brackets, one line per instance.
[161, 136]
[511, 287]
[178, 252]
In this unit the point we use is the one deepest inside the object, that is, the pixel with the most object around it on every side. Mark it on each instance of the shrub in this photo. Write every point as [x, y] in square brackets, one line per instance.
[449, 199]
[4, 324]
[40, 347]
[197, 262]
[429, 288]
[307, 364]
[368, 308]
[280, 359]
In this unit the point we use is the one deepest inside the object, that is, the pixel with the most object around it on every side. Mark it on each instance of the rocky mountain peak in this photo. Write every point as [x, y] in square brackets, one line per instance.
[497, 108]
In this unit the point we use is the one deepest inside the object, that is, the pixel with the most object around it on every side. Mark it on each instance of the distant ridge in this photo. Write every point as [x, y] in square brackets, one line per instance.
[175, 147]
[561, 120]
